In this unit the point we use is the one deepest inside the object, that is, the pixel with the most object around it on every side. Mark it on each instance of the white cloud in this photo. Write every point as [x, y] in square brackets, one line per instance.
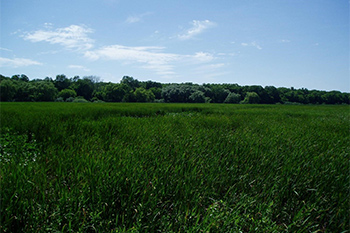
[152, 58]
[73, 37]
[5, 49]
[136, 18]
[253, 44]
[285, 41]
[17, 62]
[133, 19]
[78, 67]
[203, 57]
[256, 45]
[197, 28]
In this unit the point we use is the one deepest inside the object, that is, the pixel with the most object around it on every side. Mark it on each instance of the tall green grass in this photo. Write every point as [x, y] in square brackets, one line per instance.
[174, 168]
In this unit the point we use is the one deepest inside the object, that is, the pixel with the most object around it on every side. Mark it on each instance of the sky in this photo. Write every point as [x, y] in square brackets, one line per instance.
[281, 43]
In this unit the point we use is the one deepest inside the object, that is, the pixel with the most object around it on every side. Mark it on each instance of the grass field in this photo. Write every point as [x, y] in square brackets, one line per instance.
[74, 167]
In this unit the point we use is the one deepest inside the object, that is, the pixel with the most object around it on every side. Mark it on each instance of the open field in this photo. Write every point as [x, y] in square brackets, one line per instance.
[174, 168]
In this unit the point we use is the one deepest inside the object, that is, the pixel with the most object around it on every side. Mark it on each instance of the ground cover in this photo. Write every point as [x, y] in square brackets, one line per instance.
[86, 167]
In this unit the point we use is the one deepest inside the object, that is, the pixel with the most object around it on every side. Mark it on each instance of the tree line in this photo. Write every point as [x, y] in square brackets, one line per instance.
[90, 88]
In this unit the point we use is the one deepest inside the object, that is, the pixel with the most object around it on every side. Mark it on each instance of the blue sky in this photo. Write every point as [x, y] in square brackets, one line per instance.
[284, 43]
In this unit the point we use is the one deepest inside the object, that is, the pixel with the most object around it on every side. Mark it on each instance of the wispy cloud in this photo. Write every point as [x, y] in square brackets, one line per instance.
[136, 18]
[74, 37]
[5, 49]
[153, 58]
[202, 57]
[285, 41]
[197, 28]
[78, 67]
[252, 44]
[17, 62]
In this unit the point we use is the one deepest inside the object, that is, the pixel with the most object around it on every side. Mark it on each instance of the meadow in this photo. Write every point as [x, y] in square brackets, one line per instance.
[152, 167]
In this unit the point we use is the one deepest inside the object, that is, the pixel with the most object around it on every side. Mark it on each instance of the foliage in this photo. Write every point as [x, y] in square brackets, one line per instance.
[84, 87]
[20, 88]
[251, 98]
[143, 95]
[197, 97]
[233, 98]
[66, 93]
[114, 92]
[62, 82]
[80, 99]
[7, 90]
[43, 91]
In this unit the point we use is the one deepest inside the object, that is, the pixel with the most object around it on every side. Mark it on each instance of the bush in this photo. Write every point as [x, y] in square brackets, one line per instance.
[80, 99]
[70, 99]
[67, 93]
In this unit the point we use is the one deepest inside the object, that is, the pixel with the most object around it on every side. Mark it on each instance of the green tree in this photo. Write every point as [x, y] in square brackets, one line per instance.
[84, 87]
[131, 82]
[62, 82]
[66, 93]
[178, 93]
[114, 92]
[150, 84]
[43, 91]
[233, 98]
[251, 98]
[157, 92]
[143, 95]
[197, 97]
[7, 90]
[260, 91]
[273, 95]
[24, 78]
[218, 93]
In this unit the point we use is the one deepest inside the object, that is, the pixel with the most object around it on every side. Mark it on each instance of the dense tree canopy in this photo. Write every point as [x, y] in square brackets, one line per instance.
[62, 88]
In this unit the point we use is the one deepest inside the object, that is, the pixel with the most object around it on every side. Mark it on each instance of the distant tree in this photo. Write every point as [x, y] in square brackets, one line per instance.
[42, 91]
[2, 77]
[114, 92]
[150, 84]
[157, 92]
[66, 93]
[260, 91]
[75, 78]
[251, 98]
[23, 91]
[333, 97]
[7, 90]
[197, 97]
[24, 78]
[62, 82]
[131, 82]
[92, 78]
[218, 93]
[178, 93]
[49, 79]
[233, 98]
[16, 77]
[273, 95]
[84, 88]
[143, 95]
[129, 97]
